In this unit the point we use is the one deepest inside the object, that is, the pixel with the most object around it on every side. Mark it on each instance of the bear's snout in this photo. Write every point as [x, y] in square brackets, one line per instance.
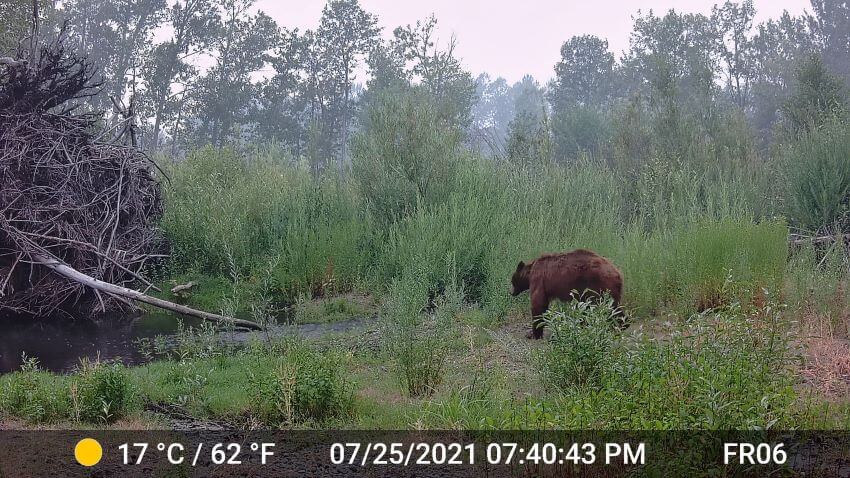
[513, 290]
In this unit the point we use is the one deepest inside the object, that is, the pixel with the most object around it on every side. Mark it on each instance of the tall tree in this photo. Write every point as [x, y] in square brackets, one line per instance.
[226, 94]
[438, 70]
[734, 23]
[281, 110]
[492, 113]
[673, 57]
[116, 36]
[169, 70]
[831, 24]
[779, 46]
[16, 24]
[584, 75]
[345, 35]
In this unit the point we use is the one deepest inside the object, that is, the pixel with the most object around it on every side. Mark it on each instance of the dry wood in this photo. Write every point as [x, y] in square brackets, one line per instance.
[67, 191]
[800, 240]
[183, 287]
[112, 289]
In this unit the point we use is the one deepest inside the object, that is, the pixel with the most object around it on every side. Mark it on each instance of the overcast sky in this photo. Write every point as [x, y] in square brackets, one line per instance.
[513, 38]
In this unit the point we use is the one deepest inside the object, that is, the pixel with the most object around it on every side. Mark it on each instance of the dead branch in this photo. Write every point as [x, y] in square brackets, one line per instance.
[797, 240]
[112, 289]
[65, 194]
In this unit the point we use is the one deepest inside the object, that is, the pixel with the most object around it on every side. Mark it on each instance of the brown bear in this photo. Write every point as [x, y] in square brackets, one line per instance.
[556, 276]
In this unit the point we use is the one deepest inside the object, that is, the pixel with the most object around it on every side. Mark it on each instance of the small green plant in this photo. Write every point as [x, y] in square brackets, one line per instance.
[580, 346]
[100, 392]
[416, 342]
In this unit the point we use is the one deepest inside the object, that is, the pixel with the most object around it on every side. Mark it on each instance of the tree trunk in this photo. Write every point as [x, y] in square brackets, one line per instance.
[112, 289]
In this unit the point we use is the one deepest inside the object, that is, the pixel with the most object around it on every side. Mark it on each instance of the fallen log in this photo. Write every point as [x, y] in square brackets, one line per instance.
[183, 287]
[70, 273]
[796, 240]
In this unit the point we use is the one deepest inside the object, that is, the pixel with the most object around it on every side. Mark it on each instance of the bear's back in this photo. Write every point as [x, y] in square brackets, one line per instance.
[576, 265]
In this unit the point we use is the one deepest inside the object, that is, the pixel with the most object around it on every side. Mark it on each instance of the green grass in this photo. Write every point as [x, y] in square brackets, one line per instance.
[263, 232]
[732, 367]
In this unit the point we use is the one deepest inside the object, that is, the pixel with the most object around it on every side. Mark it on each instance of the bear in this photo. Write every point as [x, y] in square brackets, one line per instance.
[556, 276]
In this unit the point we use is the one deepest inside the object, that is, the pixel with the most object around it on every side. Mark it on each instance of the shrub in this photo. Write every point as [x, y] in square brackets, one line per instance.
[299, 385]
[818, 175]
[580, 346]
[416, 343]
[100, 392]
[34, 395]
[407, 154]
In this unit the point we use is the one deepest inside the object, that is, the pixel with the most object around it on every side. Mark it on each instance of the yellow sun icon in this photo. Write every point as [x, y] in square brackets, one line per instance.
[88, 452]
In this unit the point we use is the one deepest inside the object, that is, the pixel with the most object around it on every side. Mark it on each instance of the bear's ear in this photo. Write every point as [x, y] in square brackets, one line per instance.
[520, 265]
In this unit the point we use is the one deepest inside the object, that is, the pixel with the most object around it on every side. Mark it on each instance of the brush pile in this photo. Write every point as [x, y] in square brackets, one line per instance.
[65, 192]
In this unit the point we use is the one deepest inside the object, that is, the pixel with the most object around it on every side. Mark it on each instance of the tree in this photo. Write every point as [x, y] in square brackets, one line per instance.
[169, 64]
[673, 59]
[438, 71]
[226, 93]
[529, 139]
[778, 48]
[115, 35]
[734, 23]
[583, 87]
[16, 24]
[584, 75]
[818, 98]
[281, 110]
[491, 114]
[831, 24]
[346, 33]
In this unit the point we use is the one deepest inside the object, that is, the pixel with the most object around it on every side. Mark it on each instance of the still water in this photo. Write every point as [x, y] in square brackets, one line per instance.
[59, 345]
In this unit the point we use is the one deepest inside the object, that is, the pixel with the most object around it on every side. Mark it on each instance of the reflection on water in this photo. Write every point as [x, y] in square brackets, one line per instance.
[60, 344]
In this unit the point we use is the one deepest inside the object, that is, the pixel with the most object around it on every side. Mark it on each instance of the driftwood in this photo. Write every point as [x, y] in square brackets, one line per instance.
[183, 287]
[797, 240]
[72, 274]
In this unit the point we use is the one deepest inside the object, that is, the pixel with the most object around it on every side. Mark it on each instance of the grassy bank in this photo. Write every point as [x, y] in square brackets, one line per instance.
[731, 368]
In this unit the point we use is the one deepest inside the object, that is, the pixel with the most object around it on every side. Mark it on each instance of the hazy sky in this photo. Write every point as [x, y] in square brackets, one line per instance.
[512, 38]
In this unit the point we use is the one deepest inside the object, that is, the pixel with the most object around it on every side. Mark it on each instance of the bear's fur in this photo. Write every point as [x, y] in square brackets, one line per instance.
[556, 276]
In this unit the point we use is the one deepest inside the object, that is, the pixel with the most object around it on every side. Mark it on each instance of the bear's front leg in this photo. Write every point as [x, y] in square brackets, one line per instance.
[539, 306]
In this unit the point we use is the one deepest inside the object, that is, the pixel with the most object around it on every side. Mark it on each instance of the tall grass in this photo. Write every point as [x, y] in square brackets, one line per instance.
[677, 235]
[230, 216]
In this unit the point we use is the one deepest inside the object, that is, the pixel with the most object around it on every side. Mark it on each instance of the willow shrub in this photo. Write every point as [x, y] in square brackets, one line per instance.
[233, 216]
[818, 178]
[682, 239]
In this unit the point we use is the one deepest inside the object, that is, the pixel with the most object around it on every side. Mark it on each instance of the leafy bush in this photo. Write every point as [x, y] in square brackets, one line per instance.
[100, 392]
[723, 369]
[818, 176]
[34, 395]
[300, 385]
[416, 343]
[232, 217]
[407, 154]
[580, 346]
[676, 234]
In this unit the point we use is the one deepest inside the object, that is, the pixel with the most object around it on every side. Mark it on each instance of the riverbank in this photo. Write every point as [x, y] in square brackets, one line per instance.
[736, 367]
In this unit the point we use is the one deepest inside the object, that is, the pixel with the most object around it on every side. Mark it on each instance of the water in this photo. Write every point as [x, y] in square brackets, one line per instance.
[59, 345]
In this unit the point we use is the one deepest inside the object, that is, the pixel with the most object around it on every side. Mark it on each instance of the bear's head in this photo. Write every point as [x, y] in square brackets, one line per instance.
[519, 281]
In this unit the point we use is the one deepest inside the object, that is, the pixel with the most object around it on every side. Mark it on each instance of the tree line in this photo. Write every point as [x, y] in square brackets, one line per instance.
[219, 72]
